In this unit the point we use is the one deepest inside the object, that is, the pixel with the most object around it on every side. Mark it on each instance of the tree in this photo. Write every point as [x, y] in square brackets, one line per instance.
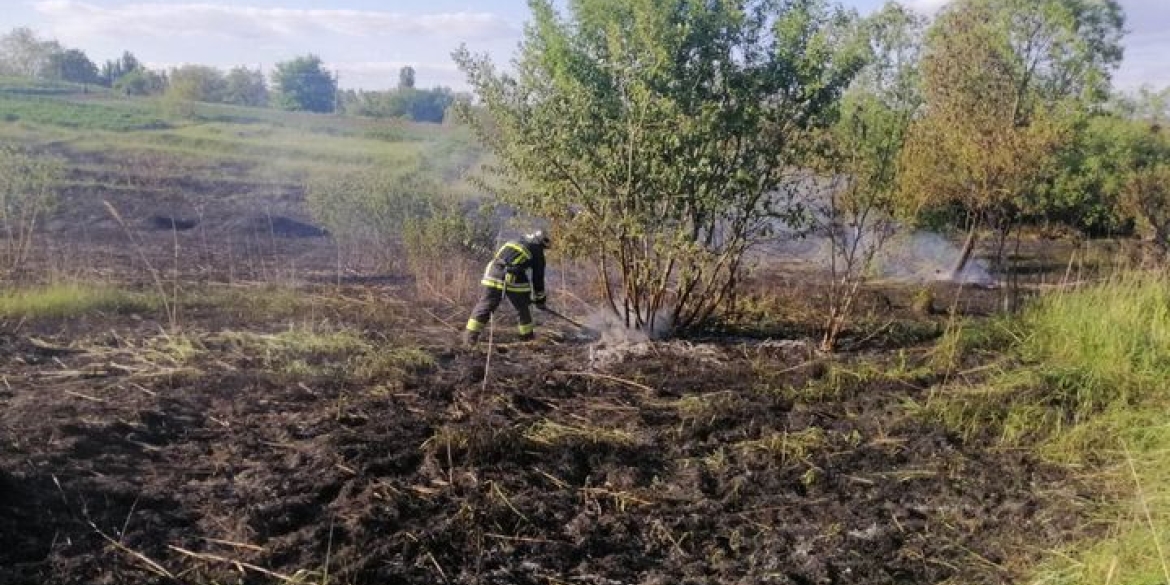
[22, 54]
[1145, 104]
[196, 83]
[420, 105]
[114, 70]
[1004, 81]
[406, 78]
[1145, 187]
[660, 137]
[141, 82]
[302, 84]
[856, 215]
[244, 87]
[1091, 172]
[72, 65]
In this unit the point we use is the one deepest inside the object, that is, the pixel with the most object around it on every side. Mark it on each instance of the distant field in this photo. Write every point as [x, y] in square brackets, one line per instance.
[94, 121]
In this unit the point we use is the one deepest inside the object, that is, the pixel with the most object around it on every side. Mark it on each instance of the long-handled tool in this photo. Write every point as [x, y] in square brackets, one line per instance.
[562, 317]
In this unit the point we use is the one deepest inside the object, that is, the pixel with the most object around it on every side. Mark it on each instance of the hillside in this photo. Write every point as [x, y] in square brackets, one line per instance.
[227, 176]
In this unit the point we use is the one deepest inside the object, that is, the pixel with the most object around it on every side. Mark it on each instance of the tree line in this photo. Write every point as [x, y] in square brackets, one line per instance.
[667, 140]
[299, 84]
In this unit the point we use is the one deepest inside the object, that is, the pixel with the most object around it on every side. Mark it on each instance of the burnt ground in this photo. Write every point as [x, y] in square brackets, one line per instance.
[126, 460]
[135, 450]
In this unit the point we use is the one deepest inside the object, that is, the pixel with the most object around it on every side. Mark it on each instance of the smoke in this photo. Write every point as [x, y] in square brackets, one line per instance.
[920, 256]
[613, 331]
[907, 255]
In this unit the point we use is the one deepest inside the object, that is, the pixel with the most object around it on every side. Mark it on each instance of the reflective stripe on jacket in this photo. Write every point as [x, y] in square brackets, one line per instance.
[508, 271]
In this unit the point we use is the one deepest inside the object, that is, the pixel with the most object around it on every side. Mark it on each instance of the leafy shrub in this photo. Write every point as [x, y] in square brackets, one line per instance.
[401, 220]
[366, 212]
[446, 246]
[27, 194]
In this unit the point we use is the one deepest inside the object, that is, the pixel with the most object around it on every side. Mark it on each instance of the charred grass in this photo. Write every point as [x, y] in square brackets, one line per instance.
[360, 445]
[322, 429]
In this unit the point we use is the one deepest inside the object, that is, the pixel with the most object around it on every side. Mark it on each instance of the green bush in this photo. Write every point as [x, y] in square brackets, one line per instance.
[445, 248]
[367, 211]
[28, 184]
[404, 220]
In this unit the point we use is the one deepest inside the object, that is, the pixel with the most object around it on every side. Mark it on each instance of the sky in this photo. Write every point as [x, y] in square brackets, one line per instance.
[366, 42]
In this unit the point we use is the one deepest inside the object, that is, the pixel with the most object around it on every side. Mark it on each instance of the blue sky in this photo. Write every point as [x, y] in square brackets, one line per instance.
[366, 41]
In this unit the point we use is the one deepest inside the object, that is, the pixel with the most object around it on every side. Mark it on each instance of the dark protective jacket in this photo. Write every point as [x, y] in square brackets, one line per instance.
[508, 271]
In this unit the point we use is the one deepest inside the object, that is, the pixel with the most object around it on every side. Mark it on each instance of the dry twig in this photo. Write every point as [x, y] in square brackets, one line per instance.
[236, 563]
[610, 378]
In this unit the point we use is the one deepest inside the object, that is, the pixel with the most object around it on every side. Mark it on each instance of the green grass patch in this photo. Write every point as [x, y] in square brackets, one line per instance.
[254, 304]
[72, 300]
[841, 379]
[1086, 381]
[41, 87]
[77, 115]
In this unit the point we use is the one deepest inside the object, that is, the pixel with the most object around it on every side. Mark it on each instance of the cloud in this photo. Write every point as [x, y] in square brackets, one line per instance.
[78, 19]
[1146, 45]
[1145, 62]
[926, 6]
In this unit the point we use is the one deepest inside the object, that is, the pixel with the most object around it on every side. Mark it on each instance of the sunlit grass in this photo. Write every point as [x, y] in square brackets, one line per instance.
[71, 300]
[1087, 383]
[216, 134]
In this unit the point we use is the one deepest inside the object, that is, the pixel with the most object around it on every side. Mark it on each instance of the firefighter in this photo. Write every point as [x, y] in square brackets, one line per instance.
[507, 275]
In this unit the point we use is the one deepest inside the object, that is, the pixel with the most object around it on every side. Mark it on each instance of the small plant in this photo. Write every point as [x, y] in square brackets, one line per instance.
[786, 446]
[923, 301]
[28, 185]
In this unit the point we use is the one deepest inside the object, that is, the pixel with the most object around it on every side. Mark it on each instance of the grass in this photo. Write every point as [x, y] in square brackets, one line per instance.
[842, 379]
[549, 433]
[323, 353]
[29, 86]
[256, 144]
[255, 303]
[50, 110]
[1085, 384]
[72, 300]
[786, 446]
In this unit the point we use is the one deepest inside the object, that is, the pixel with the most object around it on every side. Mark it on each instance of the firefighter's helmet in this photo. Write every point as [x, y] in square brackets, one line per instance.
[538, 237]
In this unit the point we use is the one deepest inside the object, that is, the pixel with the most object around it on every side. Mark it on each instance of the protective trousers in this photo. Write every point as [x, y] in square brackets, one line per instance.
[490, 300]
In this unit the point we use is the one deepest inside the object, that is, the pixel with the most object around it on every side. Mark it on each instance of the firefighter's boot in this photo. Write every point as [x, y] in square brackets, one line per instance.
[470, 338]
